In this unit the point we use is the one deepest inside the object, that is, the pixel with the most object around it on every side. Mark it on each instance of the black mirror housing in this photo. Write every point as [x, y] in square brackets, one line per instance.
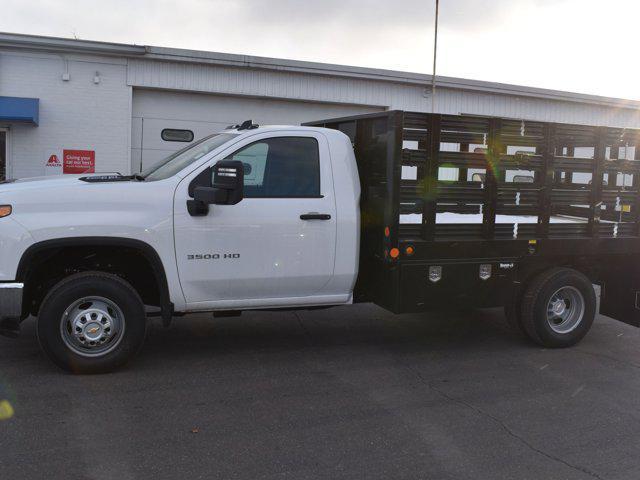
[228, 179]
[227, 187]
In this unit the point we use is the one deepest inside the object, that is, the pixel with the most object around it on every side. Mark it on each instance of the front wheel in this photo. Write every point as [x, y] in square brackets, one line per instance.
[91, 323]
[558, 308]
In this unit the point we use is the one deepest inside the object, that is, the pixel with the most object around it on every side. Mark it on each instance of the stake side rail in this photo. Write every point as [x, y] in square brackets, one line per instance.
[464, 178]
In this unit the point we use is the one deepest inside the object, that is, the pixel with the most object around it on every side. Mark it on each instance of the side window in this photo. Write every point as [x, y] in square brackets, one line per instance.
[280, 167]
[254, 159]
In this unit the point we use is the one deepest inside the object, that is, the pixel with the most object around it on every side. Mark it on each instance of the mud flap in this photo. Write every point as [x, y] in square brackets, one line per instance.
[620, 298]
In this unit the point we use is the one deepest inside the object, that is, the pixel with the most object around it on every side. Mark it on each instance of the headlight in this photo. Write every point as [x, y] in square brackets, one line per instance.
[5, 210]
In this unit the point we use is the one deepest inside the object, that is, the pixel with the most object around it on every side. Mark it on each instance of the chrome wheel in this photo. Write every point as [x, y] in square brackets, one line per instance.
[565, 310]
[92, 326]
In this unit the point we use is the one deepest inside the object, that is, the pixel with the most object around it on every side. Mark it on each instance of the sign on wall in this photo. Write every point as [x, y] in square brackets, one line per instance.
[79, 161]
[53, 163]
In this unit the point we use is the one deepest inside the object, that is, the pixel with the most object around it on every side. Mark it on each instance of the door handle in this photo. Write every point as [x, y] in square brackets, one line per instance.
[315, 216]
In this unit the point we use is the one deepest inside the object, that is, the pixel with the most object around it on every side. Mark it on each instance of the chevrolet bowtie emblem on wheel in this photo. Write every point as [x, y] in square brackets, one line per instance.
[93, 330]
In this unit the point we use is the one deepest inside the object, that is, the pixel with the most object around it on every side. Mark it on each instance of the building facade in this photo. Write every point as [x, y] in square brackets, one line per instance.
[69, 106]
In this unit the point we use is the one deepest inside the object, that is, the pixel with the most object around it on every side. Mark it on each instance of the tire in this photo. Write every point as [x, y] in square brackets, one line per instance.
[558, 308]
[91, 322]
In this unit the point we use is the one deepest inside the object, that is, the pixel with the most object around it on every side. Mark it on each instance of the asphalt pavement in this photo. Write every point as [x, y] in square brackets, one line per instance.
[344, 393]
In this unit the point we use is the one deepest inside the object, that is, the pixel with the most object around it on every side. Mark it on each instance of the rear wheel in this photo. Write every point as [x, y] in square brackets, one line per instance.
[91, 323]
[558, 308]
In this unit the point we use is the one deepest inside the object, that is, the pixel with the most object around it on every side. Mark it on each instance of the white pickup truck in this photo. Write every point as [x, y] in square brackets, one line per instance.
[270, 218]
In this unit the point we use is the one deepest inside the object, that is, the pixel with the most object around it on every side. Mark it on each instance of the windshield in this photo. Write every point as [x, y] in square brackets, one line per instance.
[185, 157]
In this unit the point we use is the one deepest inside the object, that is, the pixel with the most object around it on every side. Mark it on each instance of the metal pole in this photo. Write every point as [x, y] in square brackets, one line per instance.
[435, 52]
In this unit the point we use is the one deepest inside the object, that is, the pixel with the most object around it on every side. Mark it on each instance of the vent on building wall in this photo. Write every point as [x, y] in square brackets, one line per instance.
[175, 135]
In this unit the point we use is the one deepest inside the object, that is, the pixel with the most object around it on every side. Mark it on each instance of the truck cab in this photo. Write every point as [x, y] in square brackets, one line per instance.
[290, 237]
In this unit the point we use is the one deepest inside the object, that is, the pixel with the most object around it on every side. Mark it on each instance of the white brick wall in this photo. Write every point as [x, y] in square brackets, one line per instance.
[77, 114]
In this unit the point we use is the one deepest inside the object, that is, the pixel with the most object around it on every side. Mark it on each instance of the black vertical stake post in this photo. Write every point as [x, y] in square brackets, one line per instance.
[463, 175]
[548, 152]
[568, 176]
[557, 175]
[394, 152]
[394, 173]
[491, 179]
[612, 175]
[430, 181]
[636, 185]
[615, 152]
[423, 167]
[358, 141]
[421, 178]
[596, 181]
[537, 177]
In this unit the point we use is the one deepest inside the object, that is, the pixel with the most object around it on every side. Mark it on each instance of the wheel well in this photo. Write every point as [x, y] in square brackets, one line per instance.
[585, 265]
[43, 266]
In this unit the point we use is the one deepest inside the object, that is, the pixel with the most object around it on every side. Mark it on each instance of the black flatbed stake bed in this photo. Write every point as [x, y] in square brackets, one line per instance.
[466, 210]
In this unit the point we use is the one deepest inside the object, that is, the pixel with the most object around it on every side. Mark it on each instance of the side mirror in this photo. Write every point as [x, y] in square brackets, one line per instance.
[227, 184]
[228, 178]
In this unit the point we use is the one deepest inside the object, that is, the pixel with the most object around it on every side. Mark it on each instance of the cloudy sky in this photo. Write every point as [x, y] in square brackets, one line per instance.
[585, 46]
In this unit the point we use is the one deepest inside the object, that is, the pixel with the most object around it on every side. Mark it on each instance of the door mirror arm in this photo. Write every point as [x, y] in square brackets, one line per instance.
[210, 195]
[205, 196]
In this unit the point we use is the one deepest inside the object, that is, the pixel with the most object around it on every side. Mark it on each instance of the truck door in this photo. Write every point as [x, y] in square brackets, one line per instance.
[275, 247]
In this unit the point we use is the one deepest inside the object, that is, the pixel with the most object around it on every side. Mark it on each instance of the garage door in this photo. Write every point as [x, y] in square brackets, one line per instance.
[164, 122]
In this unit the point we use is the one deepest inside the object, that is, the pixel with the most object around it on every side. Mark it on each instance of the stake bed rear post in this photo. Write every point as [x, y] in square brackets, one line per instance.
[523, 196]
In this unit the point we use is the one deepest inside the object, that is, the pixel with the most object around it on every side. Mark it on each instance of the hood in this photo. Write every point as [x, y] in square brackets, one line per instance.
[70, 195]
[50, 178]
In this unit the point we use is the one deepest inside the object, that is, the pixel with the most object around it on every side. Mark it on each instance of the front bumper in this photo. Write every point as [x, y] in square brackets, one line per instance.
[11, 300]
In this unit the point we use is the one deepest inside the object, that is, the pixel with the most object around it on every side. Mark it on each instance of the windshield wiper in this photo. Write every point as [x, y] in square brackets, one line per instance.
[112, 178]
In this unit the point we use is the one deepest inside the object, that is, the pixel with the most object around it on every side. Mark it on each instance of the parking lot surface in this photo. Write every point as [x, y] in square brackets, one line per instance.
[350, 392]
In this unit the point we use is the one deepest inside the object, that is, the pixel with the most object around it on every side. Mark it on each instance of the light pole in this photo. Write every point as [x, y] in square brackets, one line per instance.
[435, 52]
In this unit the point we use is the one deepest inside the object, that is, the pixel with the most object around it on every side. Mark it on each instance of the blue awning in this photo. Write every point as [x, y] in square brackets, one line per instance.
[16, 109]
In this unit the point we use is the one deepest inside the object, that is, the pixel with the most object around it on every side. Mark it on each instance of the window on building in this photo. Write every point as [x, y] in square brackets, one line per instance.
[175, 135]
[281, 167]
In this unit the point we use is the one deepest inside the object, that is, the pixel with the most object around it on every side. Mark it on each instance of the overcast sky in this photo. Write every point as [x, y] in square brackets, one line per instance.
[584, 46]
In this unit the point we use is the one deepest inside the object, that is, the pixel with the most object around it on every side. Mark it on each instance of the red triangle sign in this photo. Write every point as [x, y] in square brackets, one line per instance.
[53, 161]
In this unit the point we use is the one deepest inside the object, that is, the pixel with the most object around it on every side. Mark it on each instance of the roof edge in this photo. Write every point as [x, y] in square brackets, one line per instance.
[36, 42]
